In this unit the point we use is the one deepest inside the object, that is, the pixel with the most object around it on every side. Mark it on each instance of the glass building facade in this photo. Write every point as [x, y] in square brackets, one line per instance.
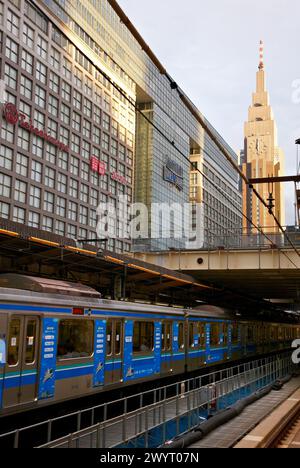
[76, 73]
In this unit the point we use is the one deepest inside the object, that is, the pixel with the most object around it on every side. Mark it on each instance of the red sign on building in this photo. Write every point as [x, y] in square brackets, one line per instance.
[13, 116]
[98, 166]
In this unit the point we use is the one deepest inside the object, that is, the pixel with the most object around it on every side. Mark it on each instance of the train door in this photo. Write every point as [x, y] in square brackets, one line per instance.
[21, 369]
[167, 347]
[114, 352]
[244, 338]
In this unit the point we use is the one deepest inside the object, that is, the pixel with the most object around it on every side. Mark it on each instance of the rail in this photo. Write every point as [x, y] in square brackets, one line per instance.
[163, 419]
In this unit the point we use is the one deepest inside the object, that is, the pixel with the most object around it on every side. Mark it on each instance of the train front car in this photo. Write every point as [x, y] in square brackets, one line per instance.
[62, 341]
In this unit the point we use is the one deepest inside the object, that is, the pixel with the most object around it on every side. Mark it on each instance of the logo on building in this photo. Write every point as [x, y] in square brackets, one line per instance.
[173, 173]
[13, 116]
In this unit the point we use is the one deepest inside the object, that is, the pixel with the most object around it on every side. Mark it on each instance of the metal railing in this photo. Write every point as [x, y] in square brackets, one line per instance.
[241, 239]
[166, 412]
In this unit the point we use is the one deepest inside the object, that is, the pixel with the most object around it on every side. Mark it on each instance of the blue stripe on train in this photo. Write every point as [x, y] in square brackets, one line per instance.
[15, 381]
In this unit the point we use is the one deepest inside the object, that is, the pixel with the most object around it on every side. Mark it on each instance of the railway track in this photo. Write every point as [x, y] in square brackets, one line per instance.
[290, 437]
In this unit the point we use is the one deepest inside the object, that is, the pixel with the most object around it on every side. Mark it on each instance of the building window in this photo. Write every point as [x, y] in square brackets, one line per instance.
[34, 219]
[60, 228]
[13, 23]
[97, 136]
[74, 188]
[83, 216]
[47, 224]
[54, 83]
[20, 191]
[87, 108]
[105, 142]
[51, 152]
[6, 157]
[7, 132]
[50, 177]
[72, 231]
[86, 150]
[4, 210]
[36, 171]
[75, 143]
[35, 197]
[63, 161]
[77, 100]
[73, 211]
[26, 87]
[55, 59]
[49, 202]
[94, 198]
[22, 165]
[41, 72]
[52, 128]
[53, 106]
[39, 119]
[66, 92]
[28, 36]
[65, 136]
[67, 69]
[62, 183]
[12, 50]
[23, 139]
[87, 129]
[85, 171]
[40, 97]
[97, 115]
[38, 147]
[19, 215]
[5, 185]
[65, 114]
[61, 207]
[84, 196]
[10, 77]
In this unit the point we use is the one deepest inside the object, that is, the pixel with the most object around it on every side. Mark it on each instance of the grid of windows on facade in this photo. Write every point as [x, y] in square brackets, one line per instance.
[55, 86]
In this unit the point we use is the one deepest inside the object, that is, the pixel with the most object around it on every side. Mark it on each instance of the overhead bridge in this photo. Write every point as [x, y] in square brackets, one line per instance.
[264, 272]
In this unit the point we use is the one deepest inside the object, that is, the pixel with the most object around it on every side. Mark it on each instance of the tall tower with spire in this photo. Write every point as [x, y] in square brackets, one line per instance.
[262, 157]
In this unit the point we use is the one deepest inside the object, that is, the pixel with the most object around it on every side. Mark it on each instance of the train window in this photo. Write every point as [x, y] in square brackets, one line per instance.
[109, 338]
[30, 341]
[191, 336]
[75, 339]
[202, 335]
[143, 337]
[118, 338]
[214, 334]
[14, 342]
[166, 336]
[235, 333]
[224, 337]
[181, 336]
[250, 334]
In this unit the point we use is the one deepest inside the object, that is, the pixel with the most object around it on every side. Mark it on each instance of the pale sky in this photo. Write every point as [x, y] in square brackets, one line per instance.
[211, 48]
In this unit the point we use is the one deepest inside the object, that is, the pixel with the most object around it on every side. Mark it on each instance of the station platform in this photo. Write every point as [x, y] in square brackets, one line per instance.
[228, 435]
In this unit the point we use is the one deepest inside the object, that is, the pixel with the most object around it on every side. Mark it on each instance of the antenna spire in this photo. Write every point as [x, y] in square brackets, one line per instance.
[261, 56]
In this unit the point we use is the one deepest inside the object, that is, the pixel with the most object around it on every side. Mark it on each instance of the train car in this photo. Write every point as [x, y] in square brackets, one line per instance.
[60, 340]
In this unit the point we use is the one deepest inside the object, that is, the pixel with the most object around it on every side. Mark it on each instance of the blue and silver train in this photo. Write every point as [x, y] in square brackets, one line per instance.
[60, 341]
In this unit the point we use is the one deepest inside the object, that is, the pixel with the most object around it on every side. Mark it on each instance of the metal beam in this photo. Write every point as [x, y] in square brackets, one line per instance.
[268, 180]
